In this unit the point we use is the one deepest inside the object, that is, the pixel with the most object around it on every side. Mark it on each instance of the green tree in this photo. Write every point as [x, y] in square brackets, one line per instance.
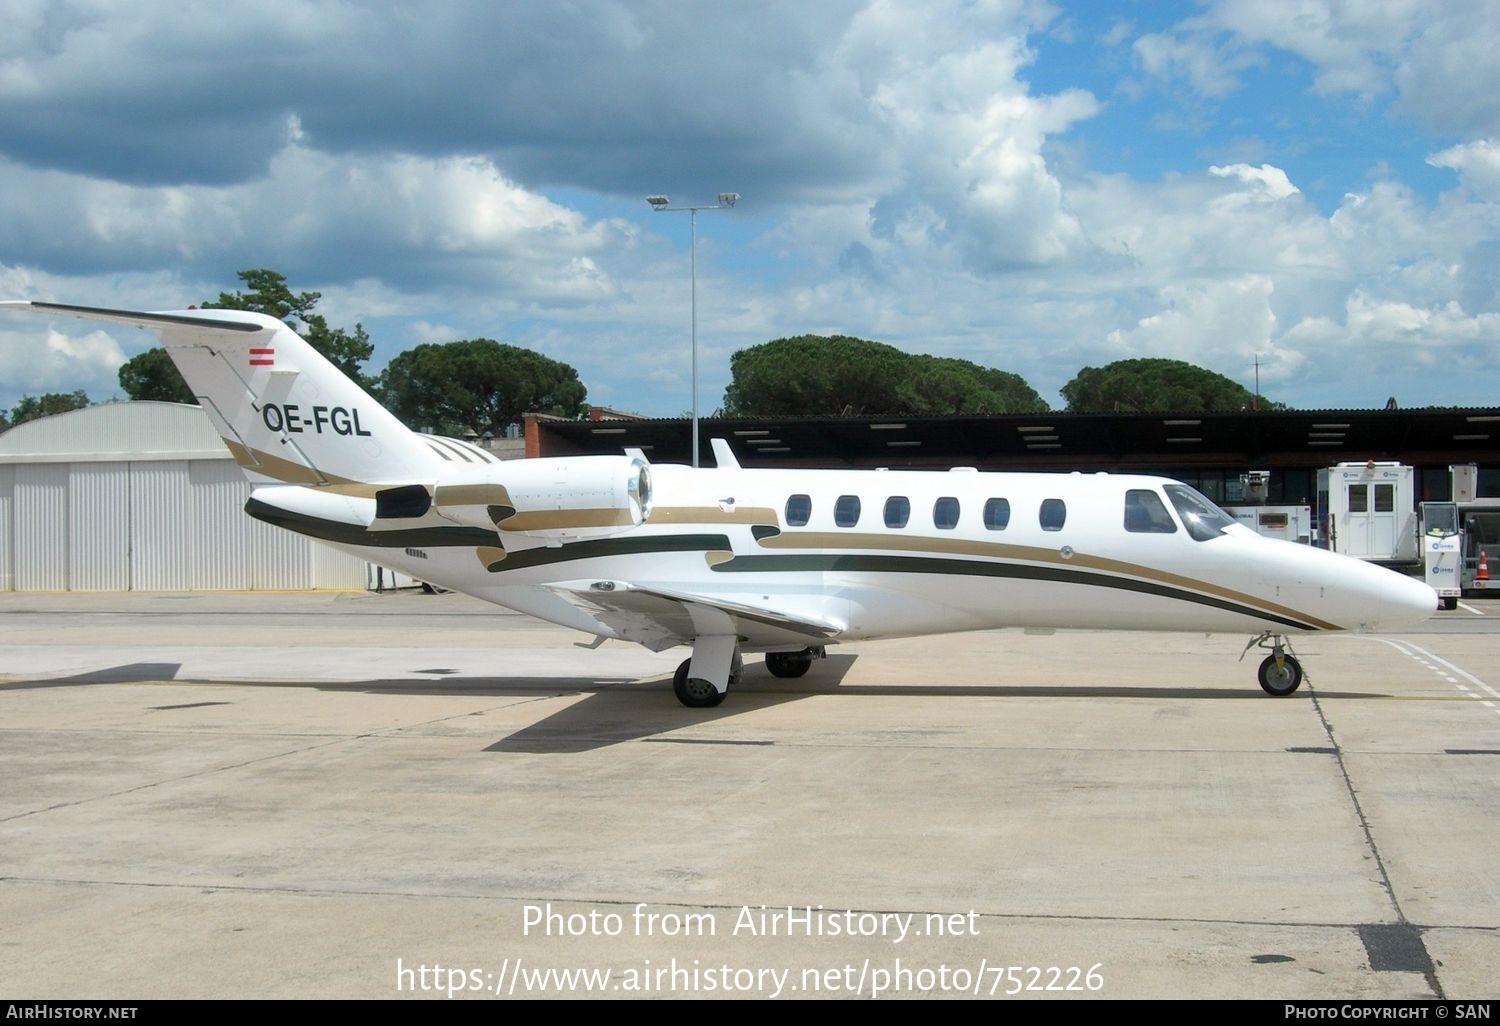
[152, 375]
[1157, 386]
[477, 385]
[810, 375]
[31, 407]
[268, 294]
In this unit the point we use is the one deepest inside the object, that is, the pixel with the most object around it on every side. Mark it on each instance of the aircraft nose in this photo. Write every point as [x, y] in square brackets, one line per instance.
[1402, 601]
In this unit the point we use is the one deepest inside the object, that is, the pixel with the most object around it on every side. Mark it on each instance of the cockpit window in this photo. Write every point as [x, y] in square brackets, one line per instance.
[1145, 513]
[1202, 518]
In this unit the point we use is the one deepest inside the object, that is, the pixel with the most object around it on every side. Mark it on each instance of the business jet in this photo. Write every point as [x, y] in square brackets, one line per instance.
[729, 560]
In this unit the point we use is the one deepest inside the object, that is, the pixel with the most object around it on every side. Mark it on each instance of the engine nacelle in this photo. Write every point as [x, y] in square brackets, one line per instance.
[560, 499]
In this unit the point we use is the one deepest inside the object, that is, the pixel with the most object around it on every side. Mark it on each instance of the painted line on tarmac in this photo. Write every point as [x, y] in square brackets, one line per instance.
[1448, 672]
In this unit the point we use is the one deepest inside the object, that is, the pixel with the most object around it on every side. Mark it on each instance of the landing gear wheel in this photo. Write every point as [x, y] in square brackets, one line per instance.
[1282, 680]
[694, 692]
[788, 664]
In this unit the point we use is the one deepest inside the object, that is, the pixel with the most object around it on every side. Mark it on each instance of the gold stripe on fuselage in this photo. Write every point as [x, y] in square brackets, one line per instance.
[712, 516]
[821, 541]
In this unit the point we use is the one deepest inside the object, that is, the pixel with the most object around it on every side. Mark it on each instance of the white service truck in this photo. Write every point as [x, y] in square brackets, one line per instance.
[1443, 551]
[1291, 523]
[1368, 511]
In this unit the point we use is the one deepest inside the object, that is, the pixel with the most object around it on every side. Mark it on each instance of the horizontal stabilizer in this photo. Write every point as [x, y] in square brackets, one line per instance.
[141, 319]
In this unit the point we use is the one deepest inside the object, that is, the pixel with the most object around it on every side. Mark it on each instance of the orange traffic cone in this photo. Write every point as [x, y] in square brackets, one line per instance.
[1484, 567]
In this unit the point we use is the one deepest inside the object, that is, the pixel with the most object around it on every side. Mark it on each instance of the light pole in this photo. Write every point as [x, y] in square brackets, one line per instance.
[662, 204]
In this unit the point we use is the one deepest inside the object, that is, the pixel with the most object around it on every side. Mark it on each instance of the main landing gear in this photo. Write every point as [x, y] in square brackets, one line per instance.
[792, 664]
[1280, 673]
[716, 657]
[700, 692]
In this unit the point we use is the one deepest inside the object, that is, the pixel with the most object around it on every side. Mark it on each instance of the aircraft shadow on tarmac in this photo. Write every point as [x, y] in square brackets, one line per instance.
[619, 709]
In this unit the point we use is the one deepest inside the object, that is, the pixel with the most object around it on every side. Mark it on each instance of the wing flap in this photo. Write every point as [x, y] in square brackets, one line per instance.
[659, 618]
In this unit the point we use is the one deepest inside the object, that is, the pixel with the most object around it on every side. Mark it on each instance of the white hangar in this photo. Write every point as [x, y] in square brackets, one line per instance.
[143, 496]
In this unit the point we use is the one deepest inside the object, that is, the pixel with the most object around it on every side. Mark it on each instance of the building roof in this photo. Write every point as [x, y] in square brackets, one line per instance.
[1061, 441]
[114, 432]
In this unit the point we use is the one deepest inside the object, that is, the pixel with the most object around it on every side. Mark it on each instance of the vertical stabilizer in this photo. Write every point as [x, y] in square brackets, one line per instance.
[286, 414]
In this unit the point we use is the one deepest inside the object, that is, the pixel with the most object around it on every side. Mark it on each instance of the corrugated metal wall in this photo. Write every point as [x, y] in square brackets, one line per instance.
[151, 525]
[99, 519]
[41, 527]
[161, 528]
[282, 563]
[7, 531]
[221, 555]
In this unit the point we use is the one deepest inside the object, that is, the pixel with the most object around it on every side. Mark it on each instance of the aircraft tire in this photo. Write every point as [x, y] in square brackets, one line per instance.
[1283, 681]
[788, 664]
[694, 692]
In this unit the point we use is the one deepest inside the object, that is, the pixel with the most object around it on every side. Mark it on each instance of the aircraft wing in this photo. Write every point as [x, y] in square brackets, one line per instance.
[659, 619]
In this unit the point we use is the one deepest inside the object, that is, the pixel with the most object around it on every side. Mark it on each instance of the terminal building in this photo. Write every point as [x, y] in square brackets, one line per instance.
[1210, 451]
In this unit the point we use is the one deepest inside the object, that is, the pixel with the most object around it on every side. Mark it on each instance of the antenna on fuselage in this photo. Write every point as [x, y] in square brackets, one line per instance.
[723, 455]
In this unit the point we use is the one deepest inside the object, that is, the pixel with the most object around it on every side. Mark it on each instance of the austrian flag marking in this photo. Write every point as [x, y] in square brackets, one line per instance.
[262, 357]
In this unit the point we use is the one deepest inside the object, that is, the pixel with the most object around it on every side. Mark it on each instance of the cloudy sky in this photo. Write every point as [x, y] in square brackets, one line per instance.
[1307, 186]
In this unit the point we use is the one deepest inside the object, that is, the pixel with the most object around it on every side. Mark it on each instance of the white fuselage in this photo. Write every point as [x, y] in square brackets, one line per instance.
[741, 536]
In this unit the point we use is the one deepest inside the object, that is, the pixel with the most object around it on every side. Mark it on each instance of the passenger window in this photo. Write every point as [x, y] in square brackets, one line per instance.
[897, 511]
[996, 514]
[1053, 515]
[846, 511]
[798, 510]
[1145, 513]
[945, 513]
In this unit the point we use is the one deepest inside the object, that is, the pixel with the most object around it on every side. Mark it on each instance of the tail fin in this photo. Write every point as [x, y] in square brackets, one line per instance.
[286, 414]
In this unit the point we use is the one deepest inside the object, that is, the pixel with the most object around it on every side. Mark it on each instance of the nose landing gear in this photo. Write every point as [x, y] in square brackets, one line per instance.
[1280, 673]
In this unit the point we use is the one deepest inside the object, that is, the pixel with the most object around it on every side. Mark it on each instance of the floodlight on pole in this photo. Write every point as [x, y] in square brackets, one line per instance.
[663, 204]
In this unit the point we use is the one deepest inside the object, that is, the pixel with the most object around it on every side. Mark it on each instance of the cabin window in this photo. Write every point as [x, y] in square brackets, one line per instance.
[846, 510]
[1053, 515]
[798, 510]
[996, 514]
[897, 511]
[1203, 520]
[1145, 513]
[945, 513]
